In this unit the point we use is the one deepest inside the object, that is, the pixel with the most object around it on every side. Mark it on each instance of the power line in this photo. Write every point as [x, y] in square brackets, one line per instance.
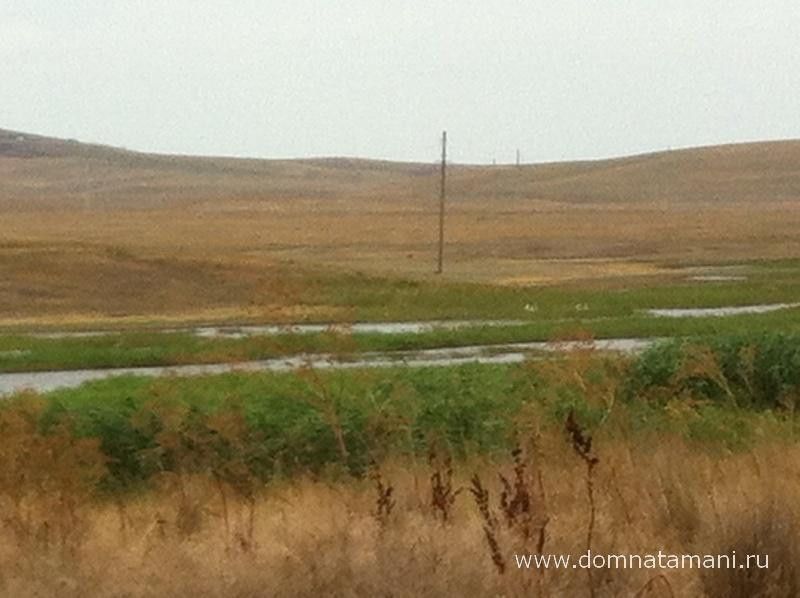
[442, 193]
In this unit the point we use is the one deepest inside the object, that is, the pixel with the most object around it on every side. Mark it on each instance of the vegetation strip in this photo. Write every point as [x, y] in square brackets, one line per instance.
[143, 349]
[729, 389]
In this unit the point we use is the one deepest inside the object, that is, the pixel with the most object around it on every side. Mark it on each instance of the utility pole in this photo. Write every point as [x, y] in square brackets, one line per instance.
[518, 158]
[442, 191]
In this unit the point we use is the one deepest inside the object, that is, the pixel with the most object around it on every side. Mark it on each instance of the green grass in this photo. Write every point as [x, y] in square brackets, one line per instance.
[605, 310]
[371, 299]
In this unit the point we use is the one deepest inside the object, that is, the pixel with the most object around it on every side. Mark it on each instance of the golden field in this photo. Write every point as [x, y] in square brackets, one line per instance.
[318, 538]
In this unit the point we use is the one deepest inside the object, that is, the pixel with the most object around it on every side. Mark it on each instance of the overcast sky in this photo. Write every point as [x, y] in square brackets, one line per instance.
[377, 78]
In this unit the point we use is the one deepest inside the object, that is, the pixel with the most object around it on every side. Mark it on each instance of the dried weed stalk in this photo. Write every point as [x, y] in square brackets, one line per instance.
[490, 523]
[443, 495]
[384, 496]
[522, 502]
[581, 442]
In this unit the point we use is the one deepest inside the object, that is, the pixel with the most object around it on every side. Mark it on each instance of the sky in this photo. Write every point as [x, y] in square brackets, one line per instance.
[572, 79]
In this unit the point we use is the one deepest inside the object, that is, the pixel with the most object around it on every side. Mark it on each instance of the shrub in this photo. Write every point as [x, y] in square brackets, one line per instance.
[760, 370]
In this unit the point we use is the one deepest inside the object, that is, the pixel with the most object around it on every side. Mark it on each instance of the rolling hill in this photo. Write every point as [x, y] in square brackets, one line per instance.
[89, 231]
[36, 170]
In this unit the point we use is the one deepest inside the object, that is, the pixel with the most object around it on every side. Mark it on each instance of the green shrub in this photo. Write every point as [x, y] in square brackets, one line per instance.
[755, 370]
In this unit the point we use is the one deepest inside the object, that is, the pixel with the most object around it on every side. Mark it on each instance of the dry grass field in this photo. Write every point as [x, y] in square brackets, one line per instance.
[85, 228]
[317, 538]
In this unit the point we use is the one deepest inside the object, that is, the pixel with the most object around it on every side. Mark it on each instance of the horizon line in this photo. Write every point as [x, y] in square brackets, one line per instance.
[433, 161]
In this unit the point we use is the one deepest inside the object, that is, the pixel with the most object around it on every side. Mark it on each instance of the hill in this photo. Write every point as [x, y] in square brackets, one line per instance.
[89, 231]
[42, 170]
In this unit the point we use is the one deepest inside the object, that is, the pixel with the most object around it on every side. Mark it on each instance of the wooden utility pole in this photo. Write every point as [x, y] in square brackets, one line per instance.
[442, 191]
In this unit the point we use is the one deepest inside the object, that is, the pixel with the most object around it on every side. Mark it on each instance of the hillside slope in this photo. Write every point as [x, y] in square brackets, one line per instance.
[92, 233]
[36, 171]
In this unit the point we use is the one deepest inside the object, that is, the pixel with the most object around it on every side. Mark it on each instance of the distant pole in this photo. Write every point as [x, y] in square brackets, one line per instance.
[518, 158]
[442, 191]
